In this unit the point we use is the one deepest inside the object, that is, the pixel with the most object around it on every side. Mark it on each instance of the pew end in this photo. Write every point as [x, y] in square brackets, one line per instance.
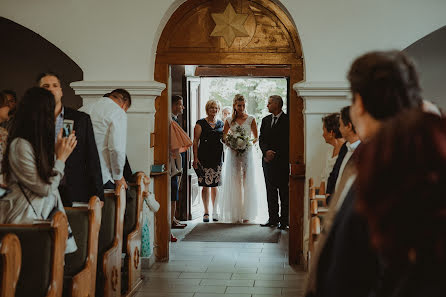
[10, 262]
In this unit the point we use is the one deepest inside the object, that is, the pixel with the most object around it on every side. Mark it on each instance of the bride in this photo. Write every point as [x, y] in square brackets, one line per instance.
[240, 195]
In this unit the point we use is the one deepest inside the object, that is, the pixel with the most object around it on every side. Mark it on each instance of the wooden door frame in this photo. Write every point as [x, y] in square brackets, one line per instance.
[166, 57]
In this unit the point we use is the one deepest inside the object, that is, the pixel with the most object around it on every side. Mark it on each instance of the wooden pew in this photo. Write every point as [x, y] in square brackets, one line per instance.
[10, 261]
[108, 277]
[80, 266]
[43, 250]
[318, 193]
[132, 236]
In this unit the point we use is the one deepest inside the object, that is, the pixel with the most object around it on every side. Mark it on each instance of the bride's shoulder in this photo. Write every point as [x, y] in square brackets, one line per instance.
[251, 118]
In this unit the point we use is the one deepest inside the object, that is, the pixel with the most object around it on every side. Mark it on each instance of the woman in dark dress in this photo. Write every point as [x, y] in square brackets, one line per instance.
[208, 151]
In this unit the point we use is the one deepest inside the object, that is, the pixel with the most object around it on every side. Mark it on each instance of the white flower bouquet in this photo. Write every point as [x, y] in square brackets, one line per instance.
[238, 140]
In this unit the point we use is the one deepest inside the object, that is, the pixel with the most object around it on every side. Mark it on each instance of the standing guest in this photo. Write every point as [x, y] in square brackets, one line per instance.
[33, 164]
[208, 152]
[109, 119]
[383, 84]
[83, 177]
[401, 180]
[226, 113]
[274, 143]
[332, 136]
[4, 116]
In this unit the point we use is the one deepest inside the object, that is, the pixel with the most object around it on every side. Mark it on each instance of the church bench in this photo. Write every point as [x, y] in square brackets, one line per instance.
[108, 275]
[131, 277]
[10, 261]
[43, 249]
[318, 193]
[80, 266]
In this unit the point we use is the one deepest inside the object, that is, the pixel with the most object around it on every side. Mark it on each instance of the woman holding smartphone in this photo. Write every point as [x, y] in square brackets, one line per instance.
[33, 164]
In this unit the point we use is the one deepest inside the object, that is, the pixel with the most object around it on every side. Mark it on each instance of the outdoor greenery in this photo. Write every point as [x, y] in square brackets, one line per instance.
[255, 90]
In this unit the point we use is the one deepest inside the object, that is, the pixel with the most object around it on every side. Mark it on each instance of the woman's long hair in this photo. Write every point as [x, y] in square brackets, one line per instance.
[401, 186]
[237, 98]
[34, 122]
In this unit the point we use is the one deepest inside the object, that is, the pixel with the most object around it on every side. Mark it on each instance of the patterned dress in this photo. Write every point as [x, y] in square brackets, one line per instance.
[210, 152]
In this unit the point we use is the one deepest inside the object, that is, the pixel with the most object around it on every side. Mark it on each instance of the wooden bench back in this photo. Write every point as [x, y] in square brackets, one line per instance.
[10, 261]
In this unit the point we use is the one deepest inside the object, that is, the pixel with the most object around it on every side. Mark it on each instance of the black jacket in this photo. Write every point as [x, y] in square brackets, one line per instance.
[277, 139]
[334, 174]
[83, 177]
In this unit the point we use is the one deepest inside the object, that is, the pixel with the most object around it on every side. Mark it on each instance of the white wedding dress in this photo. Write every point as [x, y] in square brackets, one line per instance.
[242, 195]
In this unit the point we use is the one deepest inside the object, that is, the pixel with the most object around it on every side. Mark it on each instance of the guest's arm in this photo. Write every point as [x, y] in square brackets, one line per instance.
[117, 142]
[196, 143]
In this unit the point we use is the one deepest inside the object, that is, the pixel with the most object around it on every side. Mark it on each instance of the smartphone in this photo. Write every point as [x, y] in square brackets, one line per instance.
[67, 127]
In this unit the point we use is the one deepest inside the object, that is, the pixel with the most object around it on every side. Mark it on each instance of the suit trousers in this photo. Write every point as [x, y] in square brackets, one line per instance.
[277, 185]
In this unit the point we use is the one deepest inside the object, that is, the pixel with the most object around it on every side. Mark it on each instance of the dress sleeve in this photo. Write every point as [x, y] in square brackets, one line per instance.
[23, 165]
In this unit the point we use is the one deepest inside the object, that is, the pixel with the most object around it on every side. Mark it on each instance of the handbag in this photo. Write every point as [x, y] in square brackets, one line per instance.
[52, 212]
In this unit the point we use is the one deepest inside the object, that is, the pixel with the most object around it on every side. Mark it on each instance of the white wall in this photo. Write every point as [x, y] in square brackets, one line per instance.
[116, 40]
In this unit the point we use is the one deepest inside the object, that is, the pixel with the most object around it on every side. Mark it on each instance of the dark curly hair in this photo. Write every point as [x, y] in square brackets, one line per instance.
[331, 123]
[387, 82]
[34, 122]
[401, 188]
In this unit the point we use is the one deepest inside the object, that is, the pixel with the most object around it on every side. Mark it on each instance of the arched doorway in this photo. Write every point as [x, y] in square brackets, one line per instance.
[259, 33]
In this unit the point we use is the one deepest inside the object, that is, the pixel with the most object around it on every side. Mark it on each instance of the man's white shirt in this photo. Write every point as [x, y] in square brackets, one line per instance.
[350, 149]
[110, 131]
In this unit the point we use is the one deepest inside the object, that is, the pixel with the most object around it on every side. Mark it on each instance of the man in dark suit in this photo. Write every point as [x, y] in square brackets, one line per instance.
[83, 177]
[345, 264]
[274, 143]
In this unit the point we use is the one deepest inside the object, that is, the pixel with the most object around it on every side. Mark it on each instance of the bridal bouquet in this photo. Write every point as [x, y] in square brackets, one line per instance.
[238, 140]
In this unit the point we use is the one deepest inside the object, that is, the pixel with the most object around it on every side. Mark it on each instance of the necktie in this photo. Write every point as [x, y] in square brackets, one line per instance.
[274, 121]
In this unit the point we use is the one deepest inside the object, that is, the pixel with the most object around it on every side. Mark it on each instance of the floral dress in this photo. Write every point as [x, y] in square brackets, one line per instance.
[210, 152]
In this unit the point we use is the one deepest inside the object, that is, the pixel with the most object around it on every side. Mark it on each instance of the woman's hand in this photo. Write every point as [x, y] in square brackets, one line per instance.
[195, 163]
[65, 146]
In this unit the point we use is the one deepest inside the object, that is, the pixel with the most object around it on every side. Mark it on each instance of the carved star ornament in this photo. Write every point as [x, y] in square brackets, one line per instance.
[229, 24]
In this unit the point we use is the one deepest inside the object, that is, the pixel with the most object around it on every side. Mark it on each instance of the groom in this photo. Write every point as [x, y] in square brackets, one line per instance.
[274, 142]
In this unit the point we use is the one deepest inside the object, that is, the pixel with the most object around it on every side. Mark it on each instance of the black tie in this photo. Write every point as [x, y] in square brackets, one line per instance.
[274, 121]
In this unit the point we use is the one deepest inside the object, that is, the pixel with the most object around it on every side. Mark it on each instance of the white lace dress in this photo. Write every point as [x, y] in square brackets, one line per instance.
[242, 192]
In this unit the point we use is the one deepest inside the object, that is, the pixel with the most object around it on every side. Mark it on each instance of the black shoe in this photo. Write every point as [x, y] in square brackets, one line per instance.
[282, 226]
[269, 224]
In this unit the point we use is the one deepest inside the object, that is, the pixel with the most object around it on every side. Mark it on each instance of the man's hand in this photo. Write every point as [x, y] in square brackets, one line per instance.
[269, 156]
[120, 182]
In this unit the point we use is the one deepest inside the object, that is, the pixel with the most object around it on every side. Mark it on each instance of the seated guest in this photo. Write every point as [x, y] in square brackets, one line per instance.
[11, 98]
[332, 136]
[83, 170]
[33, 165]
[4, 116]
[109, 119]
[401, 180]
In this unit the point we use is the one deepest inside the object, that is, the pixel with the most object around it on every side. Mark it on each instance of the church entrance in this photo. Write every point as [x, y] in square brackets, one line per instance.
[236, 38]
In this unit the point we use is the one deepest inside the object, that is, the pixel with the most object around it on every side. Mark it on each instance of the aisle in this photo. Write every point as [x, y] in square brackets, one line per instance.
[221, 269]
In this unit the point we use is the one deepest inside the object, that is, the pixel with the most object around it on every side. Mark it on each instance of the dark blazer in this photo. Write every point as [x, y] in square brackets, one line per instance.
[83, 177]
[348, 266]
[277, 139]
[334, 174]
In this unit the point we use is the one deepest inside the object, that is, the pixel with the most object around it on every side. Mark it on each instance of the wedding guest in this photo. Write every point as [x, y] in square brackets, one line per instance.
[401, 180]
[33, 164]
[109, 119]
[332, 136]
[226, 113]
[208, 151]
[4, 116]
[83, 177]
[383, 84]
[177, 110]
[11, 98]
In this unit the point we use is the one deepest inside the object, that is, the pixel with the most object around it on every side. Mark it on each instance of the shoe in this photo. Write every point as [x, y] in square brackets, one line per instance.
[178, 222]
[282, 226]
[206, 218]
[176, 225]
[269, 224]
[215, 217]
[173, 238]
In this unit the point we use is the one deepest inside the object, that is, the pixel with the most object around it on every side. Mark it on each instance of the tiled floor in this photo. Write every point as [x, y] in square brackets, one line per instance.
[222, 269]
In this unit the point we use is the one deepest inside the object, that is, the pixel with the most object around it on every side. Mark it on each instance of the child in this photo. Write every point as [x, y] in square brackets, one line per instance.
[179, 142]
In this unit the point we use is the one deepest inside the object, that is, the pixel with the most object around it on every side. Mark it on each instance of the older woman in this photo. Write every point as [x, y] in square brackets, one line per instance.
[208, 151]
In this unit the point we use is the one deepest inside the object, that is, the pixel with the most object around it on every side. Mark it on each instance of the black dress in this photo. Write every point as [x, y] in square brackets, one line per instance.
[210, 151]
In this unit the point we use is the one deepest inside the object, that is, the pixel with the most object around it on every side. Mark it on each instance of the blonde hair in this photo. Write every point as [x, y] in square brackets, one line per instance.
[237, 98]
[210, 103]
